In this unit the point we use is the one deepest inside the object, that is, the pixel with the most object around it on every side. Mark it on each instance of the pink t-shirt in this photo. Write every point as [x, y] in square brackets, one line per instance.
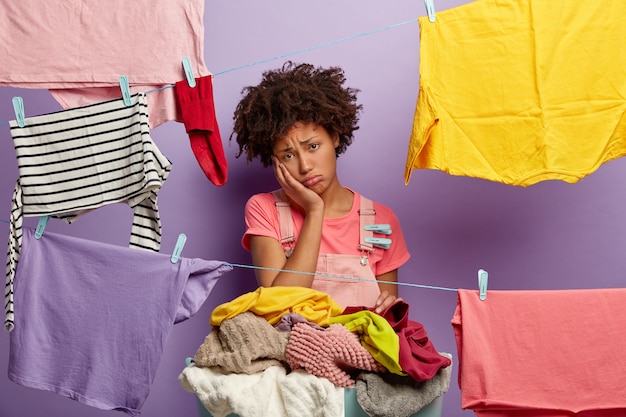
[340, 234]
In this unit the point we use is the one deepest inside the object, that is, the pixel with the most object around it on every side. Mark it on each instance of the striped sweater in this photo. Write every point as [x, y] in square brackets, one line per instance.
[74, 161]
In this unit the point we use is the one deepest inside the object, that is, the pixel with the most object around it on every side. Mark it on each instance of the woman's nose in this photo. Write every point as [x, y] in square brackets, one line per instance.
[305, 164]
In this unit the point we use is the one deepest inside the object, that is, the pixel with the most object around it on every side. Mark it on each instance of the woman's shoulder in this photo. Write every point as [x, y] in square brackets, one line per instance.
[262, 200]
[383, 211]
[264, 197]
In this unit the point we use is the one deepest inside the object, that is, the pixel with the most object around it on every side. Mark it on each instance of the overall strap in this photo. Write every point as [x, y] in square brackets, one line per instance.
[367, 214]
[285, 221]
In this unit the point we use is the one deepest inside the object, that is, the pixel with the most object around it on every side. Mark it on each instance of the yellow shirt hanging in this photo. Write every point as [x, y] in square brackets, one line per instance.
[521, 91]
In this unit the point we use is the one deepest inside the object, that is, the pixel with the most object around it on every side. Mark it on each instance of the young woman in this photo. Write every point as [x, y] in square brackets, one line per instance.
[312, 231]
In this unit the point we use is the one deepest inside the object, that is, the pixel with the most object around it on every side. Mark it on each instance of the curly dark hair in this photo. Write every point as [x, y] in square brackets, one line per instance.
[294, 93]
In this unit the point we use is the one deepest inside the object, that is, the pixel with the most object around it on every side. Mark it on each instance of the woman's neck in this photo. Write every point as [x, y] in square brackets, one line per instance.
[338, 201]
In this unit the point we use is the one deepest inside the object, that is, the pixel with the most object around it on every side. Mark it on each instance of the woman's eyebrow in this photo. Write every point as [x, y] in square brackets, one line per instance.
[289, 148]
[309, 139]
[286, 149]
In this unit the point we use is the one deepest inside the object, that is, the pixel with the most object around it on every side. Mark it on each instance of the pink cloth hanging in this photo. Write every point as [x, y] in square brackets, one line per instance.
[78, 49]
[552, 353]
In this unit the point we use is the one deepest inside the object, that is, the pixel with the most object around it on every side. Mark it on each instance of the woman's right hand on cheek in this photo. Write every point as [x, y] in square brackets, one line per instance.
[298, 193]
[284, 178]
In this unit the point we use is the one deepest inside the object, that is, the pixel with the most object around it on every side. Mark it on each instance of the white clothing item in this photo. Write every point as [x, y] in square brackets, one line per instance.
[273, 392]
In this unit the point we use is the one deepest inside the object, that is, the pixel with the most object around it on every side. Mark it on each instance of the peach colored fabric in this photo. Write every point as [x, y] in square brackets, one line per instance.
[545, 353]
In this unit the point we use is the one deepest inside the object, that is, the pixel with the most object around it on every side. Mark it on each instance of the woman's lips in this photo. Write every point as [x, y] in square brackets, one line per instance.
[309, 182]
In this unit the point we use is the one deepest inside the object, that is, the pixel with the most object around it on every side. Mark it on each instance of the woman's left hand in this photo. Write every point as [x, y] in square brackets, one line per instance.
[384, 300]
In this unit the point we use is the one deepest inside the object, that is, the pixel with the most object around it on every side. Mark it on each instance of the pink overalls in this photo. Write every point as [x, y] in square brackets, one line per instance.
[348, 279]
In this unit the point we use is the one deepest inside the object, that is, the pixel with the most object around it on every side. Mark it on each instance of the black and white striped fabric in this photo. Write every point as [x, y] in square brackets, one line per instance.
[74, 161]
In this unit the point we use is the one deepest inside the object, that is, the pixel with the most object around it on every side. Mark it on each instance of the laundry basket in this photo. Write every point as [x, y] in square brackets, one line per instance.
[351, 405]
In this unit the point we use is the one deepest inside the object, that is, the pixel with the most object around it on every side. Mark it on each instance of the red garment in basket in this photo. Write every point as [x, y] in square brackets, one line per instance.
[418, 356]
[553, 353]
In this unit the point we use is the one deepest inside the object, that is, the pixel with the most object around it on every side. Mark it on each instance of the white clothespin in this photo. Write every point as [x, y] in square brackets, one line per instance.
[483, 278]
[125, 87]
[189, 72]
[383, 229]
[178, 249]
[18, 106]
[41, 226]
[430, 9]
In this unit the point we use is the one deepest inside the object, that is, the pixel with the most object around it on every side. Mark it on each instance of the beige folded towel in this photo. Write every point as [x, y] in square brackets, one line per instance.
[246, 343]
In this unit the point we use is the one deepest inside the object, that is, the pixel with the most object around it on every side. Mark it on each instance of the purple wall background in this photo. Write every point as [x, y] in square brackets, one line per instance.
[551, 235]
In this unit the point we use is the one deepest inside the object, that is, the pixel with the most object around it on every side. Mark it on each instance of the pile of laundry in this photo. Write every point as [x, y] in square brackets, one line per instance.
[287, 351]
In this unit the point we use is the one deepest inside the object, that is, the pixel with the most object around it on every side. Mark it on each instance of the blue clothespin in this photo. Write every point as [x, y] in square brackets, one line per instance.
[189, 73]
[430, 10]
[380, 242]
[18, 106]
[383, 229]
[125, 87]
[178, 249]
[483, 278]
[41, 226]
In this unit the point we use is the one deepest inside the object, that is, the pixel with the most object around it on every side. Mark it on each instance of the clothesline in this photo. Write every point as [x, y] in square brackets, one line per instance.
[399, 283]
[285, 56]
[299, 51]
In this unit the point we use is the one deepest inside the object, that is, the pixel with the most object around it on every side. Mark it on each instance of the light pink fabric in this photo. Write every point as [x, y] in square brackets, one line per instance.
[331, 353]
[332, 269]
[161, 100]
[89, 44]
[546, 353]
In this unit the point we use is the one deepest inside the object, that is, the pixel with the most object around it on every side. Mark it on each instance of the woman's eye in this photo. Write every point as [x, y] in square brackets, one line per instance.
[314, 146]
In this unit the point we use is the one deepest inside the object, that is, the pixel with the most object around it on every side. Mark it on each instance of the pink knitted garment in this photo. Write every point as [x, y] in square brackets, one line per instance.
[329, 353]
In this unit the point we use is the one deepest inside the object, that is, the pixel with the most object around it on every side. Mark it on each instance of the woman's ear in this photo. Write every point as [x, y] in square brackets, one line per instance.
[336, 140]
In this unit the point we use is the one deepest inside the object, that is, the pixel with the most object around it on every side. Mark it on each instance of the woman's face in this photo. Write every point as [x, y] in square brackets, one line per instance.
[308, 153]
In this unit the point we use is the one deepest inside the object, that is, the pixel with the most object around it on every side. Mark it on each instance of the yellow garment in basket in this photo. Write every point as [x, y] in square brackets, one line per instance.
[376, 335]
[521, 91]
[272, 303]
